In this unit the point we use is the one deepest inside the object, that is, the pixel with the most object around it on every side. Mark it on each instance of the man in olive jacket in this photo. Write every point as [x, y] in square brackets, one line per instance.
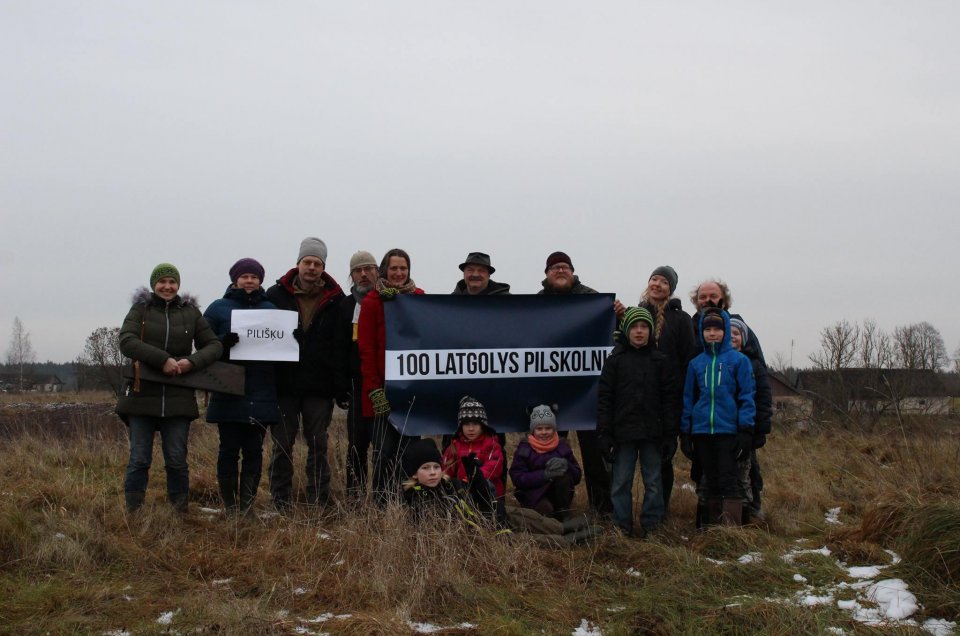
[306, 390]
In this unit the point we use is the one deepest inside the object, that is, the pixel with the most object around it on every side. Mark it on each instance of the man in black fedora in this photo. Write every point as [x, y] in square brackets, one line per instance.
[476, 277]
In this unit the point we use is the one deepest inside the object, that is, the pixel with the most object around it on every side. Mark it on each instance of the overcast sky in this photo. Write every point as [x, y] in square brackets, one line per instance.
[808, 154]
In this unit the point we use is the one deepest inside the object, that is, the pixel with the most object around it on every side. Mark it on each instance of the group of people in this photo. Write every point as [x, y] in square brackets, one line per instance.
[665, 378]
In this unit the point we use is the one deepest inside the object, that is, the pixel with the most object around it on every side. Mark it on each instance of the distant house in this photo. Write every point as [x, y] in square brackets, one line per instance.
[951, 382]
[876, 391]
[47, 384]
[10, 382]
[788, 403]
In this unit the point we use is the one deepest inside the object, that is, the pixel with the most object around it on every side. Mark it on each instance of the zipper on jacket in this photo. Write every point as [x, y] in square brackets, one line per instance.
[713, 386]
[166, 342]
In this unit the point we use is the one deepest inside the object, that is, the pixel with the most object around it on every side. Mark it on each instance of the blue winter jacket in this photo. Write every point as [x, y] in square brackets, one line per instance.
[718, 395]
[259, 404]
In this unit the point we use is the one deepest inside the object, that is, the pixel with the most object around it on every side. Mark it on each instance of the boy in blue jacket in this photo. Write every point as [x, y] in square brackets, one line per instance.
[718, 415]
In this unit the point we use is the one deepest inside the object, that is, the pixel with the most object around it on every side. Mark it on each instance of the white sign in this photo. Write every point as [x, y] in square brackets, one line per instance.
[265, 334]
[457, 364]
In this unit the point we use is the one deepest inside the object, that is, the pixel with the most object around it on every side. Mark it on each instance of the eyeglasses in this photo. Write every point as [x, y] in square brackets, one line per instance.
[560, 267]
[364, 269]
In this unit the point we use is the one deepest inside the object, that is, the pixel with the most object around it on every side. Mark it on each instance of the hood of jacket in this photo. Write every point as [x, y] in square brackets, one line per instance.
[725, 344]
[241, 297]
[142, 295]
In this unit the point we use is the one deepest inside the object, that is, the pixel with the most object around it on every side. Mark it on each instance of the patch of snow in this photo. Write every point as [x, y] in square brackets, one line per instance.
[811, 600]
[127, 597]
[300, 629]
[799, 578]
[59, 535]
[268, 514]
[791, 556]
[864, 572]
[616, 608]
[167, 617]
[586, 628]
[323, 618]
[939, 626]
[424, 628]
[750, 557]
[894, 557]
[324, 536]
[832, 516]
[340, 562]
[221, 581]
[211, 511]
[688, 487]
[715, 561]
[850, 606]
[299, 591]
[116, 632]
[893, 599]
[283, 614]
[836, 630]
[633, 572]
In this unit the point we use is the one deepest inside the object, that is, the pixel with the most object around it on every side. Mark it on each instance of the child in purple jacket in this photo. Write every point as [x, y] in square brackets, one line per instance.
[544, 469]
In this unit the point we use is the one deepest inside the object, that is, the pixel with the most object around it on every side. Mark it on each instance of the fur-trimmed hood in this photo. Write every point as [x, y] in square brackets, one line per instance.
[143, 295]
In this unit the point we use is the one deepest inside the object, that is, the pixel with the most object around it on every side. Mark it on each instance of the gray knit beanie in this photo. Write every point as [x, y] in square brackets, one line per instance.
[542, 416]
[312, 246]
[362, 258]
[669, 273]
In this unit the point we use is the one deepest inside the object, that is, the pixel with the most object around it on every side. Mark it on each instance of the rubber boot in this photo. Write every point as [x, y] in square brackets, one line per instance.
[732, 512]
[714, 511]
[134, 499]
[248, 491]
[179, 501]
[228, 493]
[573, 524]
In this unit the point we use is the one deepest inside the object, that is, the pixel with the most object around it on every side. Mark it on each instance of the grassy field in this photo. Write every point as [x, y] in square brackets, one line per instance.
[72, 561]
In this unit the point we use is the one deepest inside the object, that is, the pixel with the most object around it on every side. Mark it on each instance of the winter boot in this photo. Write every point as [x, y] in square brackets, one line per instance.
[714, 511]
[228, 493]
[248, 491]
[179, 501]
[732, 512]
[573, 524]
[134, 499]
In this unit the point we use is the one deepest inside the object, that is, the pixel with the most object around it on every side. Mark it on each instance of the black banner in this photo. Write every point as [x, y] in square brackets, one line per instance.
[509, 352]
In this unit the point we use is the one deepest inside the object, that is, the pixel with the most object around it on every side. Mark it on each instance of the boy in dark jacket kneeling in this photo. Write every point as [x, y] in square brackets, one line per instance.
[635, 418]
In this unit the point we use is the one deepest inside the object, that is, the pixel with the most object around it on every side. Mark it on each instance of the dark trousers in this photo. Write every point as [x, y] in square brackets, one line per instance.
[388, 448]
[756, 480]
[556, 501]
[315, 414]
[595, 472]
[666, 478]
[717, 456]
[240, 439]
[359, 437]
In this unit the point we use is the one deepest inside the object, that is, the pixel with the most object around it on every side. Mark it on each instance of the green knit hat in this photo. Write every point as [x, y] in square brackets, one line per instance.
[632, 316]
[161, 270]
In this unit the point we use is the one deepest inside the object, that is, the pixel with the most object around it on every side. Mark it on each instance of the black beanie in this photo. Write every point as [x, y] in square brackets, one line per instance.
[712, 318]
[419, 453]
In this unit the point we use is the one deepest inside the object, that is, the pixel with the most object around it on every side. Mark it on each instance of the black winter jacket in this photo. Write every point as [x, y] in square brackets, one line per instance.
[322, 369]
[762, 397]
[578, 288]
[637, 395]
[493, 289]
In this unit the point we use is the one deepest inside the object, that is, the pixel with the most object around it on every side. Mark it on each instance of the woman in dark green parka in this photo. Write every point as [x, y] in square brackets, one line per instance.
[160, 331]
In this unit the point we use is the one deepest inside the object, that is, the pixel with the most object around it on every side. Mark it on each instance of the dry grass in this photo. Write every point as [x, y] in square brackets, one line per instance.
[72, 561]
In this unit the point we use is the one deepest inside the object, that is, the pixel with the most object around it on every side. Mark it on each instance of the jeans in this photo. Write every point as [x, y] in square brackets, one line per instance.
[173, 439]
[315, 413]
[621, 488]
[236, 439]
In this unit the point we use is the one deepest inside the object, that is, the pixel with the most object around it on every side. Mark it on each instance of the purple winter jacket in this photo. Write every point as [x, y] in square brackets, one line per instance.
[526, 471]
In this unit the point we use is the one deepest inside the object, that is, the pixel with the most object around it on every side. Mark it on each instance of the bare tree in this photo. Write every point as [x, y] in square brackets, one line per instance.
[956, 360]
[101, 363]
[838, 346]
[919, 346]
[20, 353]
[875, 347]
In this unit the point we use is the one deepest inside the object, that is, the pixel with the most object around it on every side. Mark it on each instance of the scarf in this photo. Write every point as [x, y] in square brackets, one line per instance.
[308, 299]
[544, 447]
[383, 286]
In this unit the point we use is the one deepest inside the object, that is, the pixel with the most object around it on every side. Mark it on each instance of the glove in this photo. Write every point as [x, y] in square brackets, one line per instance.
[555, 468]
[471, 465]
[230, 339]
[744, 444]
[298, 335]
[343, 401]
[668, 448]
[759, 440]
[606, 449]
[380, 404]
[686, 446]
[389, 293]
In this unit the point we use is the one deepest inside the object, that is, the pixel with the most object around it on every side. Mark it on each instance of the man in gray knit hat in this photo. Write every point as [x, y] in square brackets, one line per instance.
[363, 278]
[306, 390]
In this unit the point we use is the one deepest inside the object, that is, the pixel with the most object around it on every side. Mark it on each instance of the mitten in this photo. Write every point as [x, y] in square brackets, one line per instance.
[759, 439]
[298, 335]
[555, 467]
[668, 448]
[686, 446]
[230, 339]
[380, 404]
